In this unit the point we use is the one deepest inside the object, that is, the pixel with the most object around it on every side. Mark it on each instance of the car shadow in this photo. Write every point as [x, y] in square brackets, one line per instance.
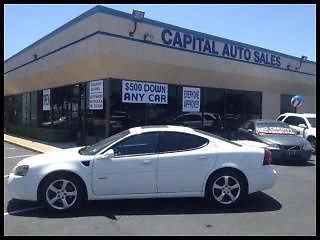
[256, 202]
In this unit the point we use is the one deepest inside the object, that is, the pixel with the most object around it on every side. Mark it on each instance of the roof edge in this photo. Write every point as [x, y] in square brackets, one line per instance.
[107, 10]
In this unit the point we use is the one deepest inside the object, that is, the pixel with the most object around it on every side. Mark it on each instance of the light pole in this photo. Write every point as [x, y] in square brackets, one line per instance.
[302, 59]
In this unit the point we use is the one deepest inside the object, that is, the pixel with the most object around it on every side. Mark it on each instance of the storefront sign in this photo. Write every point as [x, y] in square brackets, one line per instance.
[191, 99]
[144, 92]
[46, 100]
[224, 49]
[96, 95]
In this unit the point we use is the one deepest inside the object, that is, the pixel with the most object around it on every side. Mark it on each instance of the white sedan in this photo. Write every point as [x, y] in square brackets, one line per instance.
[145, 162]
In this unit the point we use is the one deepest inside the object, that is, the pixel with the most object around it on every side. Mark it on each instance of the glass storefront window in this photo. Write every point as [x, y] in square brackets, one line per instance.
[252, 105]
[213, 104]
[221, 111]
[163, 114]
[34, 109]
[124, 115]
[13, 110]
[26, 109]
[233, 117]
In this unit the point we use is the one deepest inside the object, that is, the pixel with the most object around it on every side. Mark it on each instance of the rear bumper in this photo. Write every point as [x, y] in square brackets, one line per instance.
[260, 179]
[298, 155]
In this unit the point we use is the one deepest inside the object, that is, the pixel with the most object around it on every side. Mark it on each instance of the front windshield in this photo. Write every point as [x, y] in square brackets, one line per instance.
[274, 128]
[312, 122]
[97, 147]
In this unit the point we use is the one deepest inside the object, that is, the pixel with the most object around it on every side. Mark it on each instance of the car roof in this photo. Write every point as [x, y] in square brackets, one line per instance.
[263, 120]
[299, 114]
[164, 128]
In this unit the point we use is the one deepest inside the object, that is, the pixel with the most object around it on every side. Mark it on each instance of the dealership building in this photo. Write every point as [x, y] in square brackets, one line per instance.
[107, 70]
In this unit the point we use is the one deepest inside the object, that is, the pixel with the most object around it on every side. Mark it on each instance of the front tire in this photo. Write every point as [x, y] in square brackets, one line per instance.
[313, 143]
[226, 188]
[61, 192]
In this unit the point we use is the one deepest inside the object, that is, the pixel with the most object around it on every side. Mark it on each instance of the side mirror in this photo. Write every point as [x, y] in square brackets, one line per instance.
[250, 130]
[107, 155]
[302, 125]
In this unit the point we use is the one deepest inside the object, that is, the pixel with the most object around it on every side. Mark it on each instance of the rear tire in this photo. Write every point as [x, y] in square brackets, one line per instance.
[62, 192]
[226, 188]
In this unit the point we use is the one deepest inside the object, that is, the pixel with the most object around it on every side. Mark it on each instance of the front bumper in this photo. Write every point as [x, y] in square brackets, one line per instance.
[24, 188]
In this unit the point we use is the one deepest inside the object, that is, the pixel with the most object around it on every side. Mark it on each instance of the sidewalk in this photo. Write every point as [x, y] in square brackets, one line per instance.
[35, 144]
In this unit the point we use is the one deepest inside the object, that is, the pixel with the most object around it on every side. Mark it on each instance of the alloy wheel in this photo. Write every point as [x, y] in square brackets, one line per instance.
[226, 189]
[61, 194]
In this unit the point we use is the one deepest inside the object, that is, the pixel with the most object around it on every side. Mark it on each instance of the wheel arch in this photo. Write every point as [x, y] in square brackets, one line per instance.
[222, 169]
[310, 137]
[57, 172]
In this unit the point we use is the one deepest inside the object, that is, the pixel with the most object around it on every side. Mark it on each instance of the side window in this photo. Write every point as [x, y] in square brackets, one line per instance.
[290, 120]
[251, 126]
[181, 118]
[173, 141]
[300, 120]
[248, 125]
[208, 118]
[137, 144]
[194, 118]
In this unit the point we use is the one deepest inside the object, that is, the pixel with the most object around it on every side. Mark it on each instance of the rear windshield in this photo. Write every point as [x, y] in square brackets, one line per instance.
[215, 136]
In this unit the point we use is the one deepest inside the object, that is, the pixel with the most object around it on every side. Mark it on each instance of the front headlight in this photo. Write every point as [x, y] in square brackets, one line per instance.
[274, 146]
[21, 170]
[308, 147]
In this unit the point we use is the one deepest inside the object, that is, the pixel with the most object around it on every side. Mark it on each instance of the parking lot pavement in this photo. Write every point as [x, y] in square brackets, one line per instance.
[286, 209]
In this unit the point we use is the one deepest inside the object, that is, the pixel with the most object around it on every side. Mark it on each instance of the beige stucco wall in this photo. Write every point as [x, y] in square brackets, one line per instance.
[270, 105]
[308, 104]
[103, 56]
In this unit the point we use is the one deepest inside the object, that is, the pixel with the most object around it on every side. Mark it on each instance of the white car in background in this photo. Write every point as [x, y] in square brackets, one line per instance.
[145, 162]
[303, 123]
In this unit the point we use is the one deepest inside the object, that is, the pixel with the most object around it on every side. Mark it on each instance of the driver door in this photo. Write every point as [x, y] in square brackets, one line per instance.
[132, 169]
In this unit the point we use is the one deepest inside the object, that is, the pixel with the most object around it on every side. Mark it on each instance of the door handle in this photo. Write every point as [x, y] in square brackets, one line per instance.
[202, 157]
[146, 162]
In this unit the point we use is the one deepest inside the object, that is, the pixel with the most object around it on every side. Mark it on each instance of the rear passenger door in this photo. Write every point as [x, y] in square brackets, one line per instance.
[182, 162]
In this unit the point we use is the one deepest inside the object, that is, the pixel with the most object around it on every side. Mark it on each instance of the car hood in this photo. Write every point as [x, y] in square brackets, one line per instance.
[282, 139]
[63, 155]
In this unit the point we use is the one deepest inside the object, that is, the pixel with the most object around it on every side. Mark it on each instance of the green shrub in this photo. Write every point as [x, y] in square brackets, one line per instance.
[46, 134]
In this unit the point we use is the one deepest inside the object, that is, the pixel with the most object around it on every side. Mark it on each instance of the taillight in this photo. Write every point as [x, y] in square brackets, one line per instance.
[267, 157]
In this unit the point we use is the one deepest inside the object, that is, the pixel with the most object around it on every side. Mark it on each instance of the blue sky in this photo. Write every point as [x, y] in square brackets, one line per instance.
[286, 28]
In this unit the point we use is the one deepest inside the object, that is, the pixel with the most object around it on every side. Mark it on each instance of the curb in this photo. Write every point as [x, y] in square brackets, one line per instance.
[34, 146]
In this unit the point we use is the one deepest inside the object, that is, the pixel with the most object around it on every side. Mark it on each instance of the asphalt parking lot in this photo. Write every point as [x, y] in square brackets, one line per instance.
[289, 208]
